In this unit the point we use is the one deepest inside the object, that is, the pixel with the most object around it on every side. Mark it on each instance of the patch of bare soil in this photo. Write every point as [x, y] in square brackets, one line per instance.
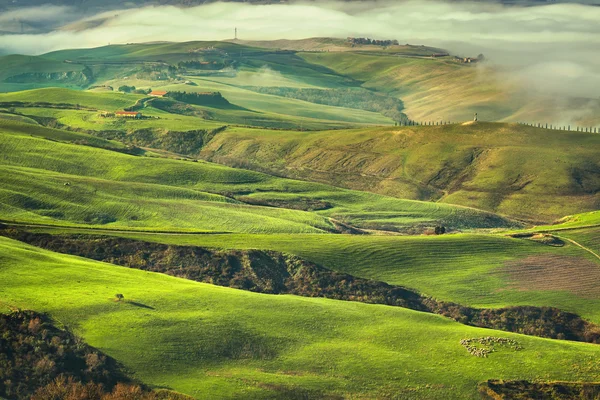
[552, 272]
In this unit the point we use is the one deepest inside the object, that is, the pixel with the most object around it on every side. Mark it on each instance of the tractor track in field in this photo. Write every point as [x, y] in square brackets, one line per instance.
[592, 252]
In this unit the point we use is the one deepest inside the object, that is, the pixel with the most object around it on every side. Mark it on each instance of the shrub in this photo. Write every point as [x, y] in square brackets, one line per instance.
[126, 89]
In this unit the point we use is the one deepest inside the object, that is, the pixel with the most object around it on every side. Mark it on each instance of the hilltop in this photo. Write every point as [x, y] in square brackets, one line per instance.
[430, 83]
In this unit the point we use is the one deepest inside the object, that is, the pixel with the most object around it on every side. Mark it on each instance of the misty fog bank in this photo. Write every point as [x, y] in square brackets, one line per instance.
[554, 47]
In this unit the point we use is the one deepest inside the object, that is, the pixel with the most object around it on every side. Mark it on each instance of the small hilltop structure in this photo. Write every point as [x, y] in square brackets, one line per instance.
[474, 122]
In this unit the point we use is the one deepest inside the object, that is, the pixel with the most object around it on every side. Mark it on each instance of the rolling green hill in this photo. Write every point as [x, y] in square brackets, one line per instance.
[249, 109]
[295, 170]
[432, 89]
[63, 183]
[212, 342]
[525, 172]
[20, 72]
[473, 270]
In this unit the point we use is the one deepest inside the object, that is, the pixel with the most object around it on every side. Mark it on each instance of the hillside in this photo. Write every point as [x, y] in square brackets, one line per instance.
[437, 88]
[445, 90]
[211, 341]
[64, 183]
[528, 173]
[292, 220]
[21, 72]
[502, 168]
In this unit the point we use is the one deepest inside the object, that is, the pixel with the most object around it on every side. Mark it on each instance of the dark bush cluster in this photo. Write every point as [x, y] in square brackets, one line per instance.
[276, 273]
[524, 390]
[33, 353]
[126, 89]
[39, 361]
[298, 203]
[183, 66]
[377, 42]
[200, 99]
[357, 98]
[42, 104]
[186, 143]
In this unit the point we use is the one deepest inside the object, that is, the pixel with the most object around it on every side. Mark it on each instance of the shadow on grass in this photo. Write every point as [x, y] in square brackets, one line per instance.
[136, 304]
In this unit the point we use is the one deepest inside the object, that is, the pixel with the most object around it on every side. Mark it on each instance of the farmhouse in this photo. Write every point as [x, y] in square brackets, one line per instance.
[128, 114]
[158, 93]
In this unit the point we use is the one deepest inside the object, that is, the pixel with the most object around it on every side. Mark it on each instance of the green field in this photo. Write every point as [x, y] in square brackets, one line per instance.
[485, 215]
[529, 173]
[475, 270]
[63, 183]
[214, 342]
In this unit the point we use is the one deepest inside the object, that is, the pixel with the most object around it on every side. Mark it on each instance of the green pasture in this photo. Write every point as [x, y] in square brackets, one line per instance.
[213, 342]
[534, 174]
[78, 182]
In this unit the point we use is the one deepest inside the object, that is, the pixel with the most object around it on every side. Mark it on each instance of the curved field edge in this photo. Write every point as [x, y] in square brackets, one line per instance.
[469, 269]
[272, 272]
[67, 184]
[209, 341]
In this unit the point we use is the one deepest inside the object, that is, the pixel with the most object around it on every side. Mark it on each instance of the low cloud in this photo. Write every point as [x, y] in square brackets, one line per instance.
[552, 48]
[37, 18]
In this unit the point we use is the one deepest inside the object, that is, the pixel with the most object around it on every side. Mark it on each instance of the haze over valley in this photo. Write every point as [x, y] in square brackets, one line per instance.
[299, 200]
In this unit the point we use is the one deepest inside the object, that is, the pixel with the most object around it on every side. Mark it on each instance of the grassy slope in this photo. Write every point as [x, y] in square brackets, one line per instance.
[26, 126]
[268, 104]
[149, 52]
[214, 342]
[432, 89]
[525, 172]
[128, 191]
[102, 101]
[92, 121]
[260, 110]
[467, 269]
[15, 65]
[255, 67]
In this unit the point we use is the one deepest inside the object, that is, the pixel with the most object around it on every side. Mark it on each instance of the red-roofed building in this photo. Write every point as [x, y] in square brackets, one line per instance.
[129, 114]
[158, 93]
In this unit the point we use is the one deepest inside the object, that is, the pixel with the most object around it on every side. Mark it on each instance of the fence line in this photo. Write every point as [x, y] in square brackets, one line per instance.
[590, 129]
[410, 122]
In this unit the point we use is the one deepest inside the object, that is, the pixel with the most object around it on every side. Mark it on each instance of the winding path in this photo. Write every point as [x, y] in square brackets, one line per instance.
[592, 252]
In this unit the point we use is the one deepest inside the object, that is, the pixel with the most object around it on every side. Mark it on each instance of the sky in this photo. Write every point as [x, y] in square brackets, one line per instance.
[555, 47]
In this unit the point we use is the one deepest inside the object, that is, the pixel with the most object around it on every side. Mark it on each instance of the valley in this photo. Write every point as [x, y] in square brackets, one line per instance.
[298, 220]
